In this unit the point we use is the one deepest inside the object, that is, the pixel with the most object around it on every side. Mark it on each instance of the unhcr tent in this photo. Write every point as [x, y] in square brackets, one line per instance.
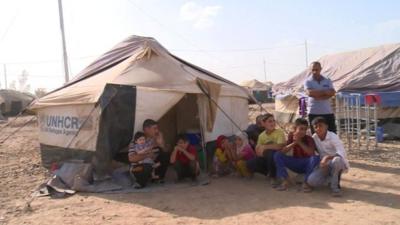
[12, 102]
[372, 70]
[96, 113]
[261, 91]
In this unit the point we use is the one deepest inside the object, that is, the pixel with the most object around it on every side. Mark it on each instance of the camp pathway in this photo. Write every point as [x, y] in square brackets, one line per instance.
[371, 195]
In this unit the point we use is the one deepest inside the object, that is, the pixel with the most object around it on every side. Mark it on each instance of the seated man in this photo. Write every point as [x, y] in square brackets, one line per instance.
[154, 139]
[333, 157]
[303, 160]
[184, 159]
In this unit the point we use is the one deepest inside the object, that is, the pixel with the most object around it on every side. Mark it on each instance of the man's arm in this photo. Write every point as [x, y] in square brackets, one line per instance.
[260, 149]
[321, 94]
[133, 157]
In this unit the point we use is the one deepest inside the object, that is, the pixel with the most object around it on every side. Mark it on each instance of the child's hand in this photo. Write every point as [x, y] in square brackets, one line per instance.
[285, 149]
[260, 151]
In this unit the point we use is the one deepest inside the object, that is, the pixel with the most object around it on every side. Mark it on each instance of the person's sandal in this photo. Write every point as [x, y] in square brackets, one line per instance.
[307, 189]
[282, 187]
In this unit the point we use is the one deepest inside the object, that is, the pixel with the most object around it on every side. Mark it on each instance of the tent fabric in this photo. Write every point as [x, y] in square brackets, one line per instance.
[212, 90]
[13, 102]
[372, 69]
[256, 85]
[136, 80]
[137, 61]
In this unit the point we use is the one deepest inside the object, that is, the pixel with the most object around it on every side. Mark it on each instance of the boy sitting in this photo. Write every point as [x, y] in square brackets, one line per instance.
[184, 159]
[303, 160]
[333, 157]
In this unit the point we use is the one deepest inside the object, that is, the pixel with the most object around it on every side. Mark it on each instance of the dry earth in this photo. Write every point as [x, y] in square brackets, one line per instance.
[371, 195]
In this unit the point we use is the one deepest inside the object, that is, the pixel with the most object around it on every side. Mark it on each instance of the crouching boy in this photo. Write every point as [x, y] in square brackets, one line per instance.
[303, 160]
[333, 157]
[184, 159]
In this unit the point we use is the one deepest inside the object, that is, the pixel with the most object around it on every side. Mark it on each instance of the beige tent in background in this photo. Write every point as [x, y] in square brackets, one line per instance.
[98, 111]
[371, 70]
[260, 90]
[12, 102]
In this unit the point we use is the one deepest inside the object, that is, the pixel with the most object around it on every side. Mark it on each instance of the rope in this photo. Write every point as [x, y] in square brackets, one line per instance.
[87, 118]
[209, 97]
[19, 128]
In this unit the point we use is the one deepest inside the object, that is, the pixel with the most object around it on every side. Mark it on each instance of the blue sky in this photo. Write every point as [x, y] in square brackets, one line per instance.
[230, 38]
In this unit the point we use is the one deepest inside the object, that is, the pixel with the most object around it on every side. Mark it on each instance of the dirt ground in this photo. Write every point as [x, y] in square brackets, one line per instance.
[371, 195]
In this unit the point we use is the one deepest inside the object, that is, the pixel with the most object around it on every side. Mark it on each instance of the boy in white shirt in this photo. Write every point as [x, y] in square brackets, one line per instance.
[333, 157]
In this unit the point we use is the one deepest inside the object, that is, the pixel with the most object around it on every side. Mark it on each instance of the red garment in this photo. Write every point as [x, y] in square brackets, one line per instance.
[220, 139]
[182, 158]
[298, 152]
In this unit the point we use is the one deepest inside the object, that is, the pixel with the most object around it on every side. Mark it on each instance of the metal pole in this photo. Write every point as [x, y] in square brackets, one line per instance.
[376, 124]
[265, 71]
[337, 114]
[65, 56]
[306, 52]
[367, 109]
[5, 76]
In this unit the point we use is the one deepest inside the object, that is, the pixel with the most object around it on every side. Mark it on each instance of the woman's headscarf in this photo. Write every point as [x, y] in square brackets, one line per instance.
[245, 141]
[220, 139]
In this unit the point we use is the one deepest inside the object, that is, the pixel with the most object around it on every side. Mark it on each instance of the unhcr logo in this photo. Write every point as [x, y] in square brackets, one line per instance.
[66, 122]
[65, 125]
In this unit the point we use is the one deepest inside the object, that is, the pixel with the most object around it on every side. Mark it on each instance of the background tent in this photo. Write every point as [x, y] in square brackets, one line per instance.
[13, 102]
[371, 70]
[97, 112]
[261, 91]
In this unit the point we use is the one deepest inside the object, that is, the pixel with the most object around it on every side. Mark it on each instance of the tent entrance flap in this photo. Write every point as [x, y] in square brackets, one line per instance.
[181, 118]
[212, 91]
[118, 104]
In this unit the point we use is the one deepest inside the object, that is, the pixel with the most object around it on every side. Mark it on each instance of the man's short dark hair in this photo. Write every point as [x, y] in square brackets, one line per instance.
[318, 120]
[316, 63]
[267, 116]
[301, 121]
[148, 123]
[182, 137]
[138, 135]
[260, 117]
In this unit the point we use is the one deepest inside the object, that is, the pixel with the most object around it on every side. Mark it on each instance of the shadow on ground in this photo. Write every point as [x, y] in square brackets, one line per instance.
[256, 195]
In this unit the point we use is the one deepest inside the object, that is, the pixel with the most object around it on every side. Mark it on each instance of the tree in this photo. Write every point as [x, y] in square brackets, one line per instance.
[40, 92]
[23, 82]
[13, 85]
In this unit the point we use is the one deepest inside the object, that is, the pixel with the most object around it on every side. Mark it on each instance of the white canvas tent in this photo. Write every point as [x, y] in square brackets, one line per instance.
[98, 111]
[370, 70]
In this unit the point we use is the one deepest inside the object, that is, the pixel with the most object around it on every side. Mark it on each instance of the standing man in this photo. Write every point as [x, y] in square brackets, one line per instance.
[319, 90]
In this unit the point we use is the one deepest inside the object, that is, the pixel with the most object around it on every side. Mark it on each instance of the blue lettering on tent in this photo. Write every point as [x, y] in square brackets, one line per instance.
[67, 122]
[75, 122]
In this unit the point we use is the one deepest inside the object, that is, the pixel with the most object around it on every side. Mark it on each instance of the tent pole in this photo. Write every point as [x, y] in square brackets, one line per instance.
[203, 143]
